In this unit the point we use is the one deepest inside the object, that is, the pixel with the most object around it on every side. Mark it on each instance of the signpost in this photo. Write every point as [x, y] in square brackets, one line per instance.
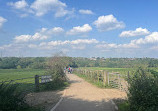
[46, 78]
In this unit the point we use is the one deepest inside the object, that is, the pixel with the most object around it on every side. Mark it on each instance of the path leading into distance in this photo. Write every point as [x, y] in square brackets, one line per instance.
[82, 96]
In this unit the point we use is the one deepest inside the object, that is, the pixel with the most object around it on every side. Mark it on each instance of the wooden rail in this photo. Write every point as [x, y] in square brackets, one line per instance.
[114, 79]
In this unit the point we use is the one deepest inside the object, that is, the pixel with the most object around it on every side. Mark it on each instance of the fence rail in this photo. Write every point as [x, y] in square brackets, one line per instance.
[29, 84]
[113, 79]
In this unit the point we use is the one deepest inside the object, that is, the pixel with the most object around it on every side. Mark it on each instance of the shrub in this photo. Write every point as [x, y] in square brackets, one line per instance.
[18, 67]
[10, 100]
[143, 91]
[55, 68]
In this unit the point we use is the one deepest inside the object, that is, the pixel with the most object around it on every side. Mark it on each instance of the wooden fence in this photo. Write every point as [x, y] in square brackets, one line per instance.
[29, 84]
[113, 79]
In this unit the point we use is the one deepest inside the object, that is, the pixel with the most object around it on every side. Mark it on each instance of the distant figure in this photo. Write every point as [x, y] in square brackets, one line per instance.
[69, 70]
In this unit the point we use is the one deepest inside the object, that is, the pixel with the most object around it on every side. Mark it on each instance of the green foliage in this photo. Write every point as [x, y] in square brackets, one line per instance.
[93, 80]
[18, 67]
[10, 100]
[143, 91]
[53, 85]
[124, 106]
[26, 62]
[116, 62]
[55, 68]
[40, 62]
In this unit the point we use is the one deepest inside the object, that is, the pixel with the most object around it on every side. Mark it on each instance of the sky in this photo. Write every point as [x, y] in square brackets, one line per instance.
[79, 28]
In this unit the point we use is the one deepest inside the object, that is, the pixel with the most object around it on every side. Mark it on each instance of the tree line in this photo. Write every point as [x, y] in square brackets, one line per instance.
[41, 62]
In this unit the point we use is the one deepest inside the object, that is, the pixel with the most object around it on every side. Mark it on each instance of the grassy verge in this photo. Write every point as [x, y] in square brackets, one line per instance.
[27, 85]
[93, 81]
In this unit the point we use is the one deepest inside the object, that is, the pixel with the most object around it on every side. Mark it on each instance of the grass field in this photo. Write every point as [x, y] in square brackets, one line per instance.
[122, 71]
[12, 74]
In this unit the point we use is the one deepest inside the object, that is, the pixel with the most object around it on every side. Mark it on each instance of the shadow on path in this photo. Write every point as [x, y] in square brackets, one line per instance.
[72, 104]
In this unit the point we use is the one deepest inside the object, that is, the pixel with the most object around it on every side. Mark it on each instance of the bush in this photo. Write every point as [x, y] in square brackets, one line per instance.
[143, 92]
[10, 100]
[55, 68]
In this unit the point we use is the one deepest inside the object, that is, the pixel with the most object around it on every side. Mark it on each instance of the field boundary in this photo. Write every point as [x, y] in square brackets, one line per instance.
[110, 79]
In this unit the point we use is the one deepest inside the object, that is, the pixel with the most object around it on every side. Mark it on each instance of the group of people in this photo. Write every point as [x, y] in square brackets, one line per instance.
[68, 69]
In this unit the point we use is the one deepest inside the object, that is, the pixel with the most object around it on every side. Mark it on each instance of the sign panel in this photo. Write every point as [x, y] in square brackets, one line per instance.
[46, 78]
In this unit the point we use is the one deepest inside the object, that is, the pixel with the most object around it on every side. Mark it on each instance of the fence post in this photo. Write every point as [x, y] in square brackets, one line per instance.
[108, 78]
[37, 82]
[98, 75]
[104, 76]
[119, 81]
[128, 76]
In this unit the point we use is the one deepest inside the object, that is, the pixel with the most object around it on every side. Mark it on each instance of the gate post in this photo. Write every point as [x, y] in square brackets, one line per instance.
[108, 78]
[104, 77]
[119, 81]
[37, 82]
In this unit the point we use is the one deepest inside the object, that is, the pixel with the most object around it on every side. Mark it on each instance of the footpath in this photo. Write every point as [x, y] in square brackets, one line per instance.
[82, 96]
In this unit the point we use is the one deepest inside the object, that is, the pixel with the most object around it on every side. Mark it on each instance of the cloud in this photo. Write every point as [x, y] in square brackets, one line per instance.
[150, 39]
[80, 30]
[84, 41]
[74, 44]
[88, 12]
[115, 46]
[2, 21]
[42, 7]
[43, 34]
[107, 23]
[23, 38]
[138, 32]
[19, 4]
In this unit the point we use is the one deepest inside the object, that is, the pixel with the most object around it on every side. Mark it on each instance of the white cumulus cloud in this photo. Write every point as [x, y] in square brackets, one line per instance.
[88, 12]
[42, 7]
[84, 41]
[138, 32]
[150, 39]
[80, 30]
[19, 4]
[43, 34]
[107, 23]
[74, 44]
[2, 21]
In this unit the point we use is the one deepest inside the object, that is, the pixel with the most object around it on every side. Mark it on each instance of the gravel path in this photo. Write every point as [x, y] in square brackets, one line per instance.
[82, 96]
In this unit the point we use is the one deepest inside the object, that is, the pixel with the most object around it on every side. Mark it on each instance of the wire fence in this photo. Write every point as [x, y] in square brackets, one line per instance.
[113, 79]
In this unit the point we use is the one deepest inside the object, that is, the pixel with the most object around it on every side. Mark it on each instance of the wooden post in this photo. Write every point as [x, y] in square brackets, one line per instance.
[104, 78]
[128, 76]
[108, 77]
[119, 81]
[98, 75]
[37, 82]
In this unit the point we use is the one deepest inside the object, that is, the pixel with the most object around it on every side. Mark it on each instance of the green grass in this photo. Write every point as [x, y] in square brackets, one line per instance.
[12, 74]
[25, 85]
[122, 71]
[94, 82]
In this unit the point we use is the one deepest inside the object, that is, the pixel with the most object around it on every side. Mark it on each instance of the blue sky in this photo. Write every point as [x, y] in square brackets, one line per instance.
[79, 28]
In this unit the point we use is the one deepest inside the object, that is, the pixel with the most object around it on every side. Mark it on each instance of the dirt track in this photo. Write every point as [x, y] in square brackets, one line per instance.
[82, 96]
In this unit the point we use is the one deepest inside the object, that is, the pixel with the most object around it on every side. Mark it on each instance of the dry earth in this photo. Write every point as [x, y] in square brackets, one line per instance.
[79, 96]
[46, 100]
[82, 96]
